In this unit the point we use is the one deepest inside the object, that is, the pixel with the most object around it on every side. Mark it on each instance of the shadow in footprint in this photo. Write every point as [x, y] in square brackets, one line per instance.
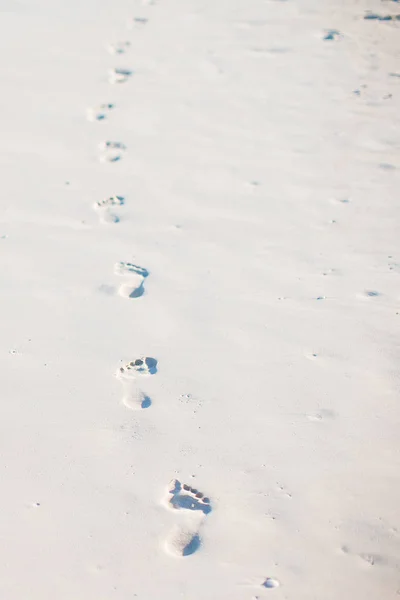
[151, 364]
[146, 403]
[136, 399]
[111, 157]
[135, 288]
[192, 546]
[137, 292]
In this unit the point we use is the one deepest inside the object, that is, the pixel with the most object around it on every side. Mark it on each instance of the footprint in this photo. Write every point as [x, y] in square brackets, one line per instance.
[145, 365]
[184, 539]
[331, 34]
[136, 22]
[367, 294]
[111, 151]
[118, 48]
[133, 396]
[370, 16]
[134, 288]
[119, 75]
[107, 145]
[104, 208]
[98, 113]
[372, 293]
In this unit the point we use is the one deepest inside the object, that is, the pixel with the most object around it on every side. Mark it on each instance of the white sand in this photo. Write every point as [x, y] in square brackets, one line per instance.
[259, 170]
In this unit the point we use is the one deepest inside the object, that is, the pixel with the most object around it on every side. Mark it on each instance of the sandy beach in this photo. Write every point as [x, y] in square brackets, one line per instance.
[200, 276]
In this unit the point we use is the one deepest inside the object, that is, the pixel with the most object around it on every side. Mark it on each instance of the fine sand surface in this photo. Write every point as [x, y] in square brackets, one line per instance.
[200, 285]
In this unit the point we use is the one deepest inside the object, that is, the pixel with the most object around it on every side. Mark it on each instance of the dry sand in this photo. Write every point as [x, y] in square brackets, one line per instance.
[200, 275]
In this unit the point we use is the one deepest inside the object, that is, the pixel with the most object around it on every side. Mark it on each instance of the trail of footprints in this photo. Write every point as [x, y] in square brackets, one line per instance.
[191, 506]
[184, 539]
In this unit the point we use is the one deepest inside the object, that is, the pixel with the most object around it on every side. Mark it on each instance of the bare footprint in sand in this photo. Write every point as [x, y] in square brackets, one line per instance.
[98, 113]
[105, 208]
[194, 506]
[370, 16]
[133, 396]
[331, 34]
[135, 277]
[136, 22]
[118, 47]
[119, 75]
[111, 151]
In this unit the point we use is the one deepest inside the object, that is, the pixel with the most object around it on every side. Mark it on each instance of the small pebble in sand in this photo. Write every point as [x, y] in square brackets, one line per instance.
[271, 583]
